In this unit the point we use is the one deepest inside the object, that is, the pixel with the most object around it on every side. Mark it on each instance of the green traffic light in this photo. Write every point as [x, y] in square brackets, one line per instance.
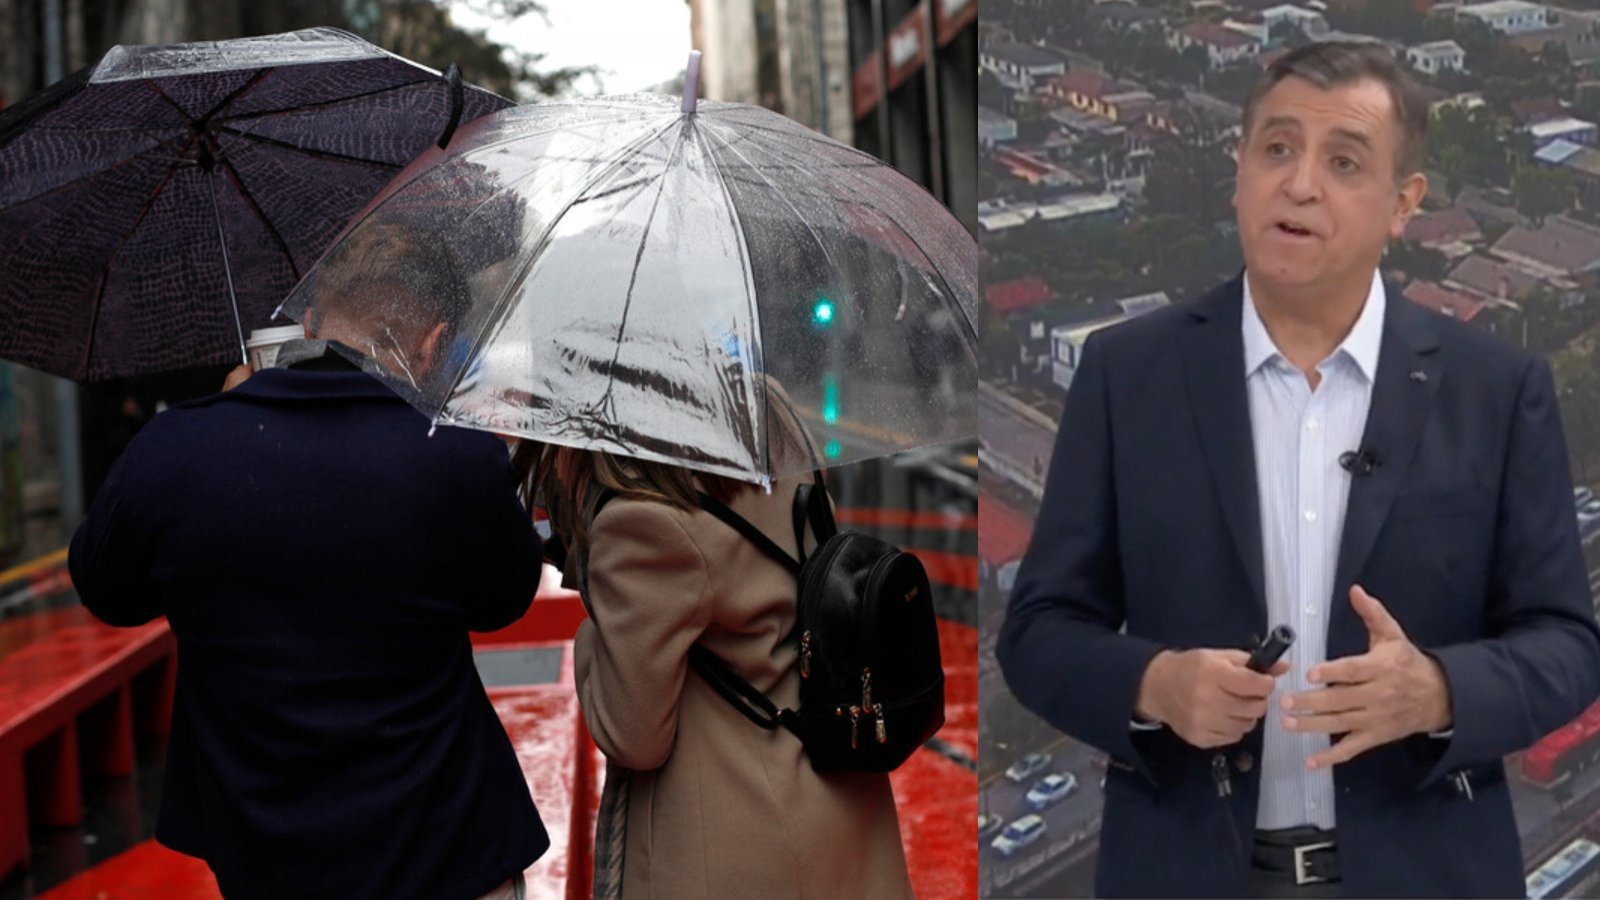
[830, 399]
[822, 313]
[833, 450]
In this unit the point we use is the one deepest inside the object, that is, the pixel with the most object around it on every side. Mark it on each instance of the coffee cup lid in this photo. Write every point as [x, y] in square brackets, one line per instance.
[275, 335]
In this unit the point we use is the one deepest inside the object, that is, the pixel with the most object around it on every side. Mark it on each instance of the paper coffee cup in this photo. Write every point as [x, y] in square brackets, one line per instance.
[264, 343]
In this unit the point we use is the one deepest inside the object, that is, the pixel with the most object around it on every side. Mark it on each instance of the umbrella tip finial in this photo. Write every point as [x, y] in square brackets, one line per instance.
[691, 82]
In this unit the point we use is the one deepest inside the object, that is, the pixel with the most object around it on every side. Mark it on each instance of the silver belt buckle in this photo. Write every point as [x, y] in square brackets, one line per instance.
[1301, 876]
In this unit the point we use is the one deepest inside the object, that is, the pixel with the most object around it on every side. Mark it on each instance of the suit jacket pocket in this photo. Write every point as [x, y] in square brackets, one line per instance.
[1437, 504]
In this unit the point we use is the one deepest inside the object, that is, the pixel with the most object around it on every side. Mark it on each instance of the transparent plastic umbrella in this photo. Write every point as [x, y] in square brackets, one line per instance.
[651, 278]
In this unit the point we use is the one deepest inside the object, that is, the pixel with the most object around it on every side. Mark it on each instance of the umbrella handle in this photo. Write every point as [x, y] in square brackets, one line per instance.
[452, 77]
[691, 82]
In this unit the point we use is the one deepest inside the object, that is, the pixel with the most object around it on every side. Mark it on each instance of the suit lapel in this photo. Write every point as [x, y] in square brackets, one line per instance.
[1409, 372]
[1213, 357]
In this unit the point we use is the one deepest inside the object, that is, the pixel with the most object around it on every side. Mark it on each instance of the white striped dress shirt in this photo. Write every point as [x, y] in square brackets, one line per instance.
[1299, 435]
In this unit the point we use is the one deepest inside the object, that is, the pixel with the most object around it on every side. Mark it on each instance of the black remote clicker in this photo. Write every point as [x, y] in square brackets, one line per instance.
[1271, 649]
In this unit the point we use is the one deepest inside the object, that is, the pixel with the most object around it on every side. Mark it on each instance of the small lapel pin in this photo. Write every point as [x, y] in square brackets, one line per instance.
[1419, 376]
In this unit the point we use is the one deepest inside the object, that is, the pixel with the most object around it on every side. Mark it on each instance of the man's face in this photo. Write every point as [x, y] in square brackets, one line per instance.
[1318, 194]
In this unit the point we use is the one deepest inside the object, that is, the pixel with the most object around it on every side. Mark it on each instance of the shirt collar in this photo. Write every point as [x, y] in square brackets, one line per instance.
[315, 354]
[1361, 345]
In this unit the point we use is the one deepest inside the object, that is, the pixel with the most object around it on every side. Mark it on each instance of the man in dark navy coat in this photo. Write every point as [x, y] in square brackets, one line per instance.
[321, 560]
[1302, 446]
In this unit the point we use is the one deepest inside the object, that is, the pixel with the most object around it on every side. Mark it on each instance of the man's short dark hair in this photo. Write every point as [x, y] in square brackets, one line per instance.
[1338, 63]
[392, 271]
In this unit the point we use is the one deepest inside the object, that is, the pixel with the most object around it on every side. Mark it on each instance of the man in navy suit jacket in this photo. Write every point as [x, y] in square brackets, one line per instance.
[321, 559]
[1303, 446]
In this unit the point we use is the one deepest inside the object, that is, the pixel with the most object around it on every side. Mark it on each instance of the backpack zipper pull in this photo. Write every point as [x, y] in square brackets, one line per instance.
[866, 689]
[805, 654]
[883, 727]
[855, 722]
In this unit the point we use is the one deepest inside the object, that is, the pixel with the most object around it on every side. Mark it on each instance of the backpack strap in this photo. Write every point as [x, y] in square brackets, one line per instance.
[743, 695]
[753, 534]
[811, 503]
[713, 669]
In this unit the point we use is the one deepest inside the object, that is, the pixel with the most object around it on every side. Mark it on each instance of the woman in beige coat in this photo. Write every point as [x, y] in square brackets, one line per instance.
[699, 801]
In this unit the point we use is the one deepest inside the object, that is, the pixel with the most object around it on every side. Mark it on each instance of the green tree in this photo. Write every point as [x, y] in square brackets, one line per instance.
[1192, 179]
[1001, 351]
[1542, 192]
[1417, 261]
[1540, 327]
[422, 30]
[1451, 162]
[1471, 144]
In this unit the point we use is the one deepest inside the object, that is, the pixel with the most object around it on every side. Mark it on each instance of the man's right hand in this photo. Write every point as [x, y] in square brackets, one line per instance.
[1207, 697]
[237, 377]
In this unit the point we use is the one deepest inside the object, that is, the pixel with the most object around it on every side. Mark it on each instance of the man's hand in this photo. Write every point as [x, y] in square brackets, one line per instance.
[237, 377]
[1390, 692]
[1207, 697]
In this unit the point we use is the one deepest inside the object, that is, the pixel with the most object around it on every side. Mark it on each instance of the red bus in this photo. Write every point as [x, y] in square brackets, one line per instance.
[1562, 753]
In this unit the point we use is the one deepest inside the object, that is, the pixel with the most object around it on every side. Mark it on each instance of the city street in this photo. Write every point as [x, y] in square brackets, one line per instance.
[1017, 439]
[1068, 824]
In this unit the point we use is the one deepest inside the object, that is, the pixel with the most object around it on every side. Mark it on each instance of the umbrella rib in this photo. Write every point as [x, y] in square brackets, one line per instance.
[812, 137]
[318, 154]
[638, 256]
[244, 191]
[238, 92]
[969, 328]
[187, 119]
[798, 217]
[538, 248]
[261, 114]
[779, 192]
[866, 160]
[105, 268]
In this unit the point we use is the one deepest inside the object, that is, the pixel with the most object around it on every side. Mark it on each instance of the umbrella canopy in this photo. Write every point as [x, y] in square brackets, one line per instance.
[641, 279]
[137, 193]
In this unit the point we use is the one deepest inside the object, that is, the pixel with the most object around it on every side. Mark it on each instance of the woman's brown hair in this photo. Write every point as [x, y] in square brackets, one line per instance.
[547, 471]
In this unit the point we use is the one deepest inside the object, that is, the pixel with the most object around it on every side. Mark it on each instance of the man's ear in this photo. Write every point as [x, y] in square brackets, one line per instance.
[428, 350]
[1413, 190]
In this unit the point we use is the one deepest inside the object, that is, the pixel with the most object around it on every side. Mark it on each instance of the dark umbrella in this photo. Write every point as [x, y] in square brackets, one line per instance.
[158, 204]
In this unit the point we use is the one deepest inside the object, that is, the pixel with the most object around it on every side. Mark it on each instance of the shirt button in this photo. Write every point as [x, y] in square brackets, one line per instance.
[1311, 425]
[1311, 515]
[1310, 610]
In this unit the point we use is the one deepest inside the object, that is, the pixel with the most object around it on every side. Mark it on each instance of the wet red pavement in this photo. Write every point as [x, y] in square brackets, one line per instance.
[936, 796]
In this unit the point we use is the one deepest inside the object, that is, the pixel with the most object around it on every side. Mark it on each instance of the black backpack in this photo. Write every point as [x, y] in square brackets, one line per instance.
[871, 684]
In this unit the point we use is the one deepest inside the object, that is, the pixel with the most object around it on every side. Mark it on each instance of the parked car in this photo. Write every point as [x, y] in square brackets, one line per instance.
[1052, 789]
[1024, 831]
[1027, 767]
[988, 825]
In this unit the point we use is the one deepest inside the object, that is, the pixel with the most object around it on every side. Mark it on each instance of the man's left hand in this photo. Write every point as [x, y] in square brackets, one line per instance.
[1390, 692]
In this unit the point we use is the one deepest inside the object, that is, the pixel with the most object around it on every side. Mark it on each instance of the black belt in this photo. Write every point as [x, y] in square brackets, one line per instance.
[1305, 855]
